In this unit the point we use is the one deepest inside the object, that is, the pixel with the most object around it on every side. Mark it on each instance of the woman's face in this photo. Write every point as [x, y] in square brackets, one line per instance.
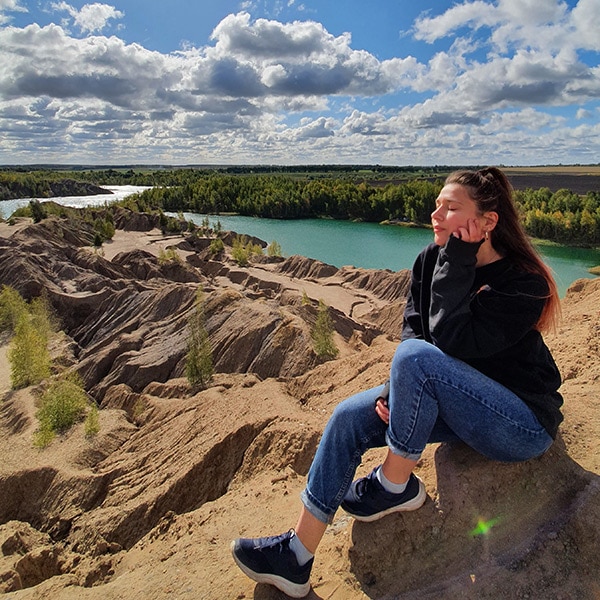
[454, 210]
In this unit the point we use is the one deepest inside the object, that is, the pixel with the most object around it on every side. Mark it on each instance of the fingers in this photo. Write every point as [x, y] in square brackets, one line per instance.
[475, 230]
[383, 412]
[471, 232]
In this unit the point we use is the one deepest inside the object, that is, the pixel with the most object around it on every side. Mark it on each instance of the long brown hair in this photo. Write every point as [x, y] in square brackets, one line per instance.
[490, 189]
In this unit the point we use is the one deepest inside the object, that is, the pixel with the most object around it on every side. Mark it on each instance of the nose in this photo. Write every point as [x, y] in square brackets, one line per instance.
[437, 213]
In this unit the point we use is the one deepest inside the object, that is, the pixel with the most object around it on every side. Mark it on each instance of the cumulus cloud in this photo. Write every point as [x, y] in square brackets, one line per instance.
[319, 128]
[582, 113]
[265, 57]
[9, 6]
[585, 21]
[90, 18]
[46, 62]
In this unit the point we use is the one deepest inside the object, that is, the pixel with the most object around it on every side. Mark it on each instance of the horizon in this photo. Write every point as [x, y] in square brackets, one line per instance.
[340, 166]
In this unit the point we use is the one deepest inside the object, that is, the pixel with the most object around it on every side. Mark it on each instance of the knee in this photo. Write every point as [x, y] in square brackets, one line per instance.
[344, 412]
[412, 350]
[414, 359]
[354, 416]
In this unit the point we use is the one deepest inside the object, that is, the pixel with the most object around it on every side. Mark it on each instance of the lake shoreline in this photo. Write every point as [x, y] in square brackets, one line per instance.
[386, 245]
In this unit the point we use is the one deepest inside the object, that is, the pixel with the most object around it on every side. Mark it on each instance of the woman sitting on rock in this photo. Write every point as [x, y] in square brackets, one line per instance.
[472, 366]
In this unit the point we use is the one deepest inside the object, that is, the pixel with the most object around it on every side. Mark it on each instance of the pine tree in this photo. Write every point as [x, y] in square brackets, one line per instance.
[199, 361]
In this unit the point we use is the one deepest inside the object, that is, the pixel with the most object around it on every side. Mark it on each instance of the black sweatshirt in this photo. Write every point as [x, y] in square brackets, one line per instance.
[485, 316]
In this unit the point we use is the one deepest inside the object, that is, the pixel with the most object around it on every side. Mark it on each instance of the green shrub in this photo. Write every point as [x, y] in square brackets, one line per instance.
[12, 307]
[31, 325]
[274, 249]
[104, 228]
[216, 246]
[43, 317]
[61, 406]
[92, 421]
[243, 249]
[168, 255]
[38, 211]
[199, 360]
[322, 334]
[28, 354]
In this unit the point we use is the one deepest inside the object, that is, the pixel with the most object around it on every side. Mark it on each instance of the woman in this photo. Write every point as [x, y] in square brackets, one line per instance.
[472, 365]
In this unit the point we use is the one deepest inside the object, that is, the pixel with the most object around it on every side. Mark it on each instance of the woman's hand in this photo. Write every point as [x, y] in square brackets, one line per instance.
[382, 410]
[471, 232]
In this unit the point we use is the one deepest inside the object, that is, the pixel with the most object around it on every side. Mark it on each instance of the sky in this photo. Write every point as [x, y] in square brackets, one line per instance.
[390, 82]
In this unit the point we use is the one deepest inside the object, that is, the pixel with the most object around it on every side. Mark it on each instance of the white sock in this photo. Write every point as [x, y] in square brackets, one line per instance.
[394, 488]
[298, 548]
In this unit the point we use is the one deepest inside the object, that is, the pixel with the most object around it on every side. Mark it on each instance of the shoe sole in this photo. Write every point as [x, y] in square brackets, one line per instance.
[413, 504]
[294, 590]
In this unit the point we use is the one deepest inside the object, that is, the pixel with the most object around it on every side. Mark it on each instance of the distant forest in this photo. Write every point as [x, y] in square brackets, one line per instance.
[364, 193]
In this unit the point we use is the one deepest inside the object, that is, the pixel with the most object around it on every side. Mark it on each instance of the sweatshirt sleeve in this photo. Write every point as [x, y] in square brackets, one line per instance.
[416, 311]
[411, 323]
[468, 323]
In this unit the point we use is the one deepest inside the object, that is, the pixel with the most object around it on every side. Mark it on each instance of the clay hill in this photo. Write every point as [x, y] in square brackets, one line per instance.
[146, 509]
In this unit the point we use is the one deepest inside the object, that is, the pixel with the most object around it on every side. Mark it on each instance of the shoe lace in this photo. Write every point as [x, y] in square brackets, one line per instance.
[281, 541]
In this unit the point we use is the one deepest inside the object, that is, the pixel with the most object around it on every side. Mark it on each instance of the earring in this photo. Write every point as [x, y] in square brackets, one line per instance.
[487, 235]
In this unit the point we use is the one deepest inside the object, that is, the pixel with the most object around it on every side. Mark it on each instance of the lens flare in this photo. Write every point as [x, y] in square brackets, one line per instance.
[484, 527]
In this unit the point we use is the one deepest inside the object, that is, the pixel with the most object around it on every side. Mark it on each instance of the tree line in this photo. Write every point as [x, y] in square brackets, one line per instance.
[562, 216]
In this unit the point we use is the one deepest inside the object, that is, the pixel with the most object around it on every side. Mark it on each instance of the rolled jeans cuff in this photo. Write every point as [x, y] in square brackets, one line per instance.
[311, 506]
[410, 453]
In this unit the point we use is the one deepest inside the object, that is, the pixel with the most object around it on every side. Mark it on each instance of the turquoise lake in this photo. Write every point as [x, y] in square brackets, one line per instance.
[374, 246]
[340, 243]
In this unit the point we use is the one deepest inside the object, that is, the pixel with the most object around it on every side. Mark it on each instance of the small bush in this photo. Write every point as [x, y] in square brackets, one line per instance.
[43, 317]
[38, 211]
[168, 255]
[139, 407]
[12, 308]
[243, 249]
[104, 229]
[61, 406]
[322, 334]
[274, 249]
[28, 355]
[216, 246]
[92, 422]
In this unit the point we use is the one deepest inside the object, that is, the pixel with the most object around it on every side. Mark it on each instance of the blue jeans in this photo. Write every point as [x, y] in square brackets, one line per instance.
[433, 398]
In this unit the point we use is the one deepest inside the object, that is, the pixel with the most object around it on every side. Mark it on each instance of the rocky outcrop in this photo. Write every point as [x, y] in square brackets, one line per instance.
[485, 524]
[306, 268]
[388, 285]
[144, 265]
[129, 220]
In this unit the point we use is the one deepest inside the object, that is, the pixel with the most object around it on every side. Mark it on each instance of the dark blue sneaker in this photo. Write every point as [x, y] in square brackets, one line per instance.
[367, 500]
[270, 560]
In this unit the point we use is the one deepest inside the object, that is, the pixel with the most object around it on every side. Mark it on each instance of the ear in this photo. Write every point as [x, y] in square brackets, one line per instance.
[490, 220]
